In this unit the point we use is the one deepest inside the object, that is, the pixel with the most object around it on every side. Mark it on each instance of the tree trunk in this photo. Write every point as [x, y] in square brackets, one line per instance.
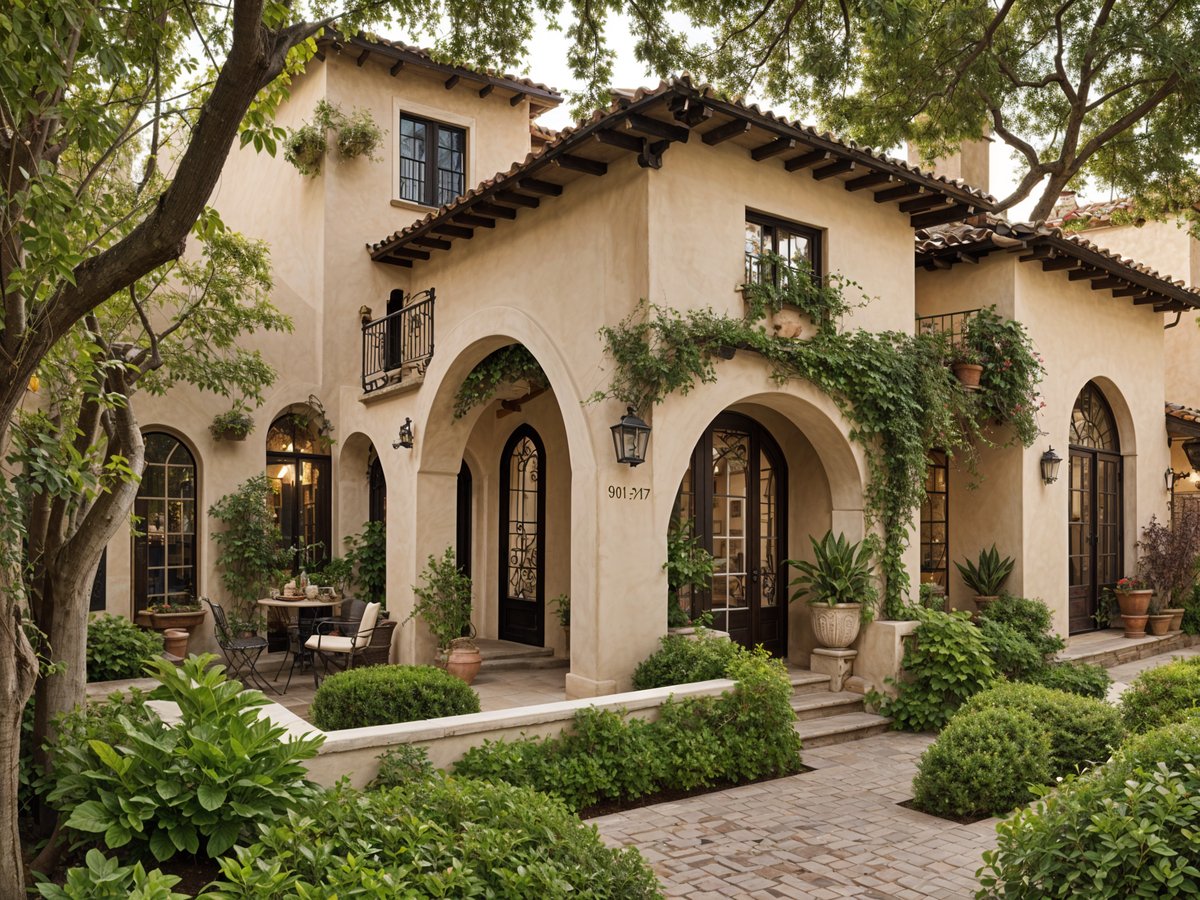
[18, 671]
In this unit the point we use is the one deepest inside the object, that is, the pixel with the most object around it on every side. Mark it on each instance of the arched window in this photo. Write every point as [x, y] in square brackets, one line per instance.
[376, 490]
[522, 543]
[299, 467]
[164, 548]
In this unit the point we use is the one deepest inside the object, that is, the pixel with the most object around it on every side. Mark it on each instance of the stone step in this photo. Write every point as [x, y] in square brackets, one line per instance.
[520, 663]
[496, 650]
[841, 729]
[826, 704]
[806, 682]
[1110, 648]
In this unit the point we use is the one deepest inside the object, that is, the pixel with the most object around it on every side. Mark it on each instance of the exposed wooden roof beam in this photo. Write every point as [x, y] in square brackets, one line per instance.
[452, 81]
[774, 148]
[394, 261]
[409, 253]
[362, 58]
[396, 67]
[515, 99]
[835, 168]
[476, 221]
[1129, 291]
[869, 180]
[1148, 299]
[1058, 263]
[963, 256]
[499, 212]
[1085, 272]
[804, 160]
[925, 201]
[454, 230]
[937, 262]
[1101, 284]
[436, 243]
[941, 216]
[581, 164]
[485, 90]
[898, 193]
[621, 139]
[518, 199]
[722, 133]
[549, 188]
[1036, 253]
[665, 130]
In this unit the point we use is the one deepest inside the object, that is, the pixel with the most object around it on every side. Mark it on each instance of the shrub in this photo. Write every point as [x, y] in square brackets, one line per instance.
[982, 764]
[1013, 654]
[443, 837]
[1082, 731]
[679, 660]
[1030, 618]
[166, 788]
[1084, 679]
[945, 663]
[746, 733]
[116, 648]
[1162, 695]
[1128, 828]
[101, 878]
[382, 695]
[1191, 612]
[401, 765]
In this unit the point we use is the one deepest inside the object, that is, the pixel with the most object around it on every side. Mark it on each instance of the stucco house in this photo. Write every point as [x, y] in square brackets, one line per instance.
[405, 272]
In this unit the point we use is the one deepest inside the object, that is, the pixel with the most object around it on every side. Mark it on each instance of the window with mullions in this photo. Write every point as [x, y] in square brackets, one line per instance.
[798, 244]
[164, 547]
[299, 470]
[433, 159]
[935, 521]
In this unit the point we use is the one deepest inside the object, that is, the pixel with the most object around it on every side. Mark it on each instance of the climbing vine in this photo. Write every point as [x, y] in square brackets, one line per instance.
[896, 390]
[504, 366]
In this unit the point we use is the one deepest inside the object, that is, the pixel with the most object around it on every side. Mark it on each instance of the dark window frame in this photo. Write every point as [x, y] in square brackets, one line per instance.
[151, 532]
[938, 460]
[430, 182]
[815, 237]
[322, 498]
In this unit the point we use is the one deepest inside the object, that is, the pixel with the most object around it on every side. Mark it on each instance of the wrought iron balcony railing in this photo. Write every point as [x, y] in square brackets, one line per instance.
[399, 345]
[947, 323]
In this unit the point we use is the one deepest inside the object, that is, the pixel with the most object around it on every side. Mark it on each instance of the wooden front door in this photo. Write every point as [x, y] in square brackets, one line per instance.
[522, 538]
[1094, 508]
[734, 493]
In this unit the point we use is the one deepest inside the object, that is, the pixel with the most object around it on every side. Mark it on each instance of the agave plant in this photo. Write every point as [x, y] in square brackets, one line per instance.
[839, 573]
[988, 577]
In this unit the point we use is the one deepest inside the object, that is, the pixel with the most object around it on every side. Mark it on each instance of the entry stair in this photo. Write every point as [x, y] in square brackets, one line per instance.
[827, 717]
[510, 656]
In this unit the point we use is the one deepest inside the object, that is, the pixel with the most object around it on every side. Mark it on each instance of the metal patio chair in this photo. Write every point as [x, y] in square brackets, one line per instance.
[241, 653]
[342, 650]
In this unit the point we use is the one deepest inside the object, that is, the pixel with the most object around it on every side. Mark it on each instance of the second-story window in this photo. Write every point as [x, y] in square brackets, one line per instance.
[433, 159]
[798, 244]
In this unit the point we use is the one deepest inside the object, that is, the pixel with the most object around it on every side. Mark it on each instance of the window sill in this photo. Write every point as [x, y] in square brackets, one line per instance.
[415, 207]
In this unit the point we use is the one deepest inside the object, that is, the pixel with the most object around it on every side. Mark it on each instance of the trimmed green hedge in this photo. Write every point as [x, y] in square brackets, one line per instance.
[680, 660]
[384, 695]
[1162, 695]
[1084, 679]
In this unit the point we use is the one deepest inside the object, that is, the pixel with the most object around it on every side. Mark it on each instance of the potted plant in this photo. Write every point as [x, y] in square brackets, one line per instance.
[840, 587]
[1168, 562]
[443, 602]
[1159, 617]
[176, 611]
[1133, 597]
[562, 611]
[233, 425]
[987, 577]
[305, 148]
[358, 135]
[967, 365]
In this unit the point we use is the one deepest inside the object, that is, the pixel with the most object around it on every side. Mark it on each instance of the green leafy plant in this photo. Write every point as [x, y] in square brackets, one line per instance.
[1084, 679]
[1013, 656]
[234, 424]
[175, 603]
[366, 555]
[357, 135]
[250, 550]
[434, 837]
[945, 663]
[1011, 372]
[1162, 695]
[304, 148]
[1030, 618]
[402, 765]
[383, 695]
[116, 648]
[1191, 614]
[987, 577]
[792, 283]
[194, 786]
[680, 659]
[839, 573]
[443, 599]
[101, 878]
[562, 609]
[504, 366]
[689, 568]
[1169, 556]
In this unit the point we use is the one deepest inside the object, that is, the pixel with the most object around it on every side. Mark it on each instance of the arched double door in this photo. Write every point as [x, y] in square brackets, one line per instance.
[734, 493]
[1095, 507]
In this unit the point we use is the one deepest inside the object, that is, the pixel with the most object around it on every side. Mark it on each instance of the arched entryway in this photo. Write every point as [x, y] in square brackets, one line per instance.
[164, 548]
[735, 493]
[522, 538]
[1095, 507]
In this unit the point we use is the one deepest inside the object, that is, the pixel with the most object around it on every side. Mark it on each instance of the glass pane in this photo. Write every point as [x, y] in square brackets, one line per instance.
[279, 437]
[524, 465]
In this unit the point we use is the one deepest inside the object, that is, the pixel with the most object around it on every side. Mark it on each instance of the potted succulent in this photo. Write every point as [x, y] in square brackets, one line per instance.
[986, 577]
[562, 611]
[839, 585]
[233, 425]
[443, 602]
[967, 365]
[1133, 597]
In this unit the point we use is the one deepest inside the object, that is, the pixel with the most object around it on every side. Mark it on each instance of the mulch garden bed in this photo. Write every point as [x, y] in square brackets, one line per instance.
[615, 806]
[957, 820]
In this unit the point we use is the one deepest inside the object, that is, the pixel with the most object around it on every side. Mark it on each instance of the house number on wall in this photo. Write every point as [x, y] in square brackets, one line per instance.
[620, 492]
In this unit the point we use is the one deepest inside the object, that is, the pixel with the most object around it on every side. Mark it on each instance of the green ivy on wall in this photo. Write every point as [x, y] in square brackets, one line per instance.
[896, 390]
[504, 366]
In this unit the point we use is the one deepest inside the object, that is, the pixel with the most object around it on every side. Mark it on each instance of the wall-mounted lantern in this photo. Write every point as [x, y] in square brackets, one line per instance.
[1191, 449]
[631, 437]
[1050, 463]
[405, 438]
[1171, 476]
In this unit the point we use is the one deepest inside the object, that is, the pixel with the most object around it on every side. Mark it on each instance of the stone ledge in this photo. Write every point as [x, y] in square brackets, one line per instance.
[401, 387]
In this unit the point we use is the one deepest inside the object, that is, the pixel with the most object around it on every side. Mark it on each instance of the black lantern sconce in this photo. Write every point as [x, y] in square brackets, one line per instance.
[1171, 476]
[1050, 463]
[631, 437]
[405, 438]
[1191, 449]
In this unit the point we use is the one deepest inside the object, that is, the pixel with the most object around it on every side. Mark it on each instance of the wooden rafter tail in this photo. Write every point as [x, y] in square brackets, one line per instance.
[722, 133]
[548, 188]
[955, 213]
[580, 164]
[656, 128]
[871, 179]
[804, 160]
[773, 148]
[834, 168]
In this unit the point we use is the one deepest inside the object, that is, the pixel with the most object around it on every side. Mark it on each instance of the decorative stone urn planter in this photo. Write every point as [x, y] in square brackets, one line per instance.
[463, 660]
[1135, 607]
[1176, 613]
[836, 627]
[1160, 624]
[968, 374]
[983, 601]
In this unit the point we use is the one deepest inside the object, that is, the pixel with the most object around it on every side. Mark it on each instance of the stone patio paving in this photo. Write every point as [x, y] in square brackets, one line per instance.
[830, 833]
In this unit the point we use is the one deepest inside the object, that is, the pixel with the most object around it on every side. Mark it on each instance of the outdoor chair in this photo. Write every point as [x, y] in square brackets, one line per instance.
[342, 650]
[241, 653]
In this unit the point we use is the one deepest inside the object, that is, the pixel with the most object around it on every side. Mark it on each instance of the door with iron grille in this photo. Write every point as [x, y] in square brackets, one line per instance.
[522, 538]
[1094, 508]
[734, 494]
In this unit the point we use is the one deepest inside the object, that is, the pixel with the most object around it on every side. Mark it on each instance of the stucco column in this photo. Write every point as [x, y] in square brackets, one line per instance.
[420, 523]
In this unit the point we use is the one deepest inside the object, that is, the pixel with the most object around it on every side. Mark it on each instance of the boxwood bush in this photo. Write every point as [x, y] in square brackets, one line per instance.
[436, 837]
[1162, 695]
[983, 763]
[1082, 731]
[1128, 828]
[680, 660]
[1084, 679]
[116, 648]
[383, 695]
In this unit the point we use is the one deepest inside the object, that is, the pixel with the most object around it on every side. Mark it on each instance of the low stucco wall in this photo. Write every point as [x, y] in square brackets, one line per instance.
[881, 653]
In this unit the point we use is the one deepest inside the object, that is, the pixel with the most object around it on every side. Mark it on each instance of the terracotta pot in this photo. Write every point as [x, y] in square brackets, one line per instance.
[1160, 624]
[1176, 618]
[836, 627]
[968, 374]
[464, 660]
[1134, 603]
[175, 642]
[143, 618]
[1135, 626]
[983, 601]
[186, 620]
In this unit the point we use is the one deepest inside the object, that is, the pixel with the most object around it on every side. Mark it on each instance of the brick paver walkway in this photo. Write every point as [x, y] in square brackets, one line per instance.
[831, 833]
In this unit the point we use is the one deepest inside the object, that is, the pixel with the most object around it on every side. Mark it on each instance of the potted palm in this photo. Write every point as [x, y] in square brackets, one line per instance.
[986, 577]
[443, 602]
[1133, 597]
[840, 588]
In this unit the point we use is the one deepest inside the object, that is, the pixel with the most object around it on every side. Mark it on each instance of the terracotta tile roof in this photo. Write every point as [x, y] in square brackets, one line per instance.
[1182, 421]
[938, 197]
[984, 234]
[1080, 217]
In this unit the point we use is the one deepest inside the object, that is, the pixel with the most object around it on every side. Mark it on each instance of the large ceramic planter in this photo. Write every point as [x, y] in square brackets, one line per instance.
[463, 660]
[1135, 607]
[1160, 624]
[1176, 613]
[968, 374]
[184, 620]
[836, 627]
[983, 601]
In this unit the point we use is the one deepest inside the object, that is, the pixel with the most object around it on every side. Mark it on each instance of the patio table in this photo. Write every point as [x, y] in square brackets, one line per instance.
[307, 614]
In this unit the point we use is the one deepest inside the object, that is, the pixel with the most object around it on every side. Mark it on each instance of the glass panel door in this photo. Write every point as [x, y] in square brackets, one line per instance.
[522, 513]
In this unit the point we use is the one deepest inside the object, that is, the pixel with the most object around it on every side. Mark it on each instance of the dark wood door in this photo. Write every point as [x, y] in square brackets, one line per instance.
[522, 538]
[735, 493]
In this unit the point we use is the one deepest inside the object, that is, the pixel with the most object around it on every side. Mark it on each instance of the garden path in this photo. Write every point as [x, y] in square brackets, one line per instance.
[1123, 674]
[837, 831]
